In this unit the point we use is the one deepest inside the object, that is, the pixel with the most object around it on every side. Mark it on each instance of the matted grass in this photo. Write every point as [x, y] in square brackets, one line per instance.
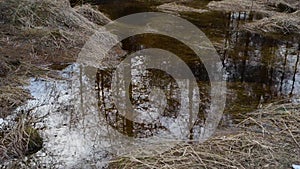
[284, 23]
[281, 16]
[19, 139]
[34, 34]
[268, 138]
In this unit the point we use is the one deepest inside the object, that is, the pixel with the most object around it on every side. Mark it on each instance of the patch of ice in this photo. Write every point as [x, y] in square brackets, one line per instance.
[296, 166]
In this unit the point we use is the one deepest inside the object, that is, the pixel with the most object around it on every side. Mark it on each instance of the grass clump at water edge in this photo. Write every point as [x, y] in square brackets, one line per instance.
[268, 138]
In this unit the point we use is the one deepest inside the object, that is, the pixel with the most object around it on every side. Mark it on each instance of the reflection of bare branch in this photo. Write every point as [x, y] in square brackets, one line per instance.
[295, 72]
[284, 67]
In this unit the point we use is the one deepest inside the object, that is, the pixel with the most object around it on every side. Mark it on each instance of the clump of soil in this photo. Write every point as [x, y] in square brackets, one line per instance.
[268, 138]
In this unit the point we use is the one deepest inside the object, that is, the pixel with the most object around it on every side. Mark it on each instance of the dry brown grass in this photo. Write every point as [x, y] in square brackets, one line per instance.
[39, 32]
[92, 15]
[268, 138]
[16, 75]
[35, 33]
[19, 139]
[174, 7]
[281, 16]
[264, 6]
[47, 31]
[285, 23]
[238, 6]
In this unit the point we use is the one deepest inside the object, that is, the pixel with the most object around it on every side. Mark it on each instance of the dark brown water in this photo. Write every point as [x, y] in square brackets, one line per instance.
[258, 69]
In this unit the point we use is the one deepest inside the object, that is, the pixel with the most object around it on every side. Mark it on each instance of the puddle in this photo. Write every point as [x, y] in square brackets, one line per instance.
[83, 130]
[258, 70]
[268, 66]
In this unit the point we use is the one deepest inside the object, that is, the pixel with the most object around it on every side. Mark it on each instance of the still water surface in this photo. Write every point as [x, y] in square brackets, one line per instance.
[258, 70]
